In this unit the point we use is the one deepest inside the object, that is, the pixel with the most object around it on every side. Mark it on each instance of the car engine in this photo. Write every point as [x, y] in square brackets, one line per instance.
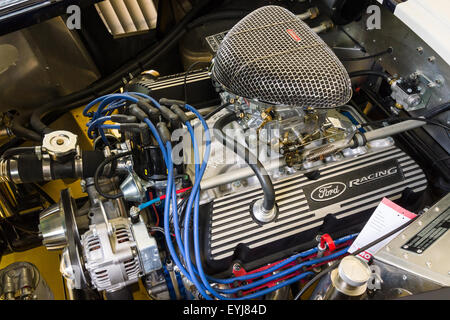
[250, 174]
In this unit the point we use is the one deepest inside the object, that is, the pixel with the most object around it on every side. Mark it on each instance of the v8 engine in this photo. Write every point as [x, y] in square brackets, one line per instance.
[250, 176]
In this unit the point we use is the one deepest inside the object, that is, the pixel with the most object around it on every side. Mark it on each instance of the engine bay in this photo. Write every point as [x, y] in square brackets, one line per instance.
[251, 170]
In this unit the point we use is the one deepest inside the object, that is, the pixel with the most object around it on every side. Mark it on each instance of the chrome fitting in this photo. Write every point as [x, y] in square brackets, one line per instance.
[261, 215]
[4, 177]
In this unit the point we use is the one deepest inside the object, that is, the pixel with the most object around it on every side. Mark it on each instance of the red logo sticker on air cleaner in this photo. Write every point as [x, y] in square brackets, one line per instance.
[293, 35]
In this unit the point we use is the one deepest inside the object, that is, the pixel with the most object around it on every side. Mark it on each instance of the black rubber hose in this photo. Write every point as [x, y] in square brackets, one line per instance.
[212, 113]
[29, 167]
[115, 80]
[16, 151]
[20, 131]
[91, 159]
[216, 110]
[251, 160]
[62, 170]
[369, 73]
[13, 143]
[99, 171]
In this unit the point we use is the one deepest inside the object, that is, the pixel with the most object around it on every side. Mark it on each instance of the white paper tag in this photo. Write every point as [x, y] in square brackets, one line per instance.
[386, 217]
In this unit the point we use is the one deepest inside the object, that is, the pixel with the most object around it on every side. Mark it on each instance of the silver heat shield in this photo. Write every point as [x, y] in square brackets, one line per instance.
[274, 57]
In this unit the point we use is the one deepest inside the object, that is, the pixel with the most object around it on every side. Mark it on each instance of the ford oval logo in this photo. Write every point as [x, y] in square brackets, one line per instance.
[328, 191]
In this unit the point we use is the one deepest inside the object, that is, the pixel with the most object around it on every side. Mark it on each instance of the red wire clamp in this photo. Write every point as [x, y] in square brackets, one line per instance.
[327, 241]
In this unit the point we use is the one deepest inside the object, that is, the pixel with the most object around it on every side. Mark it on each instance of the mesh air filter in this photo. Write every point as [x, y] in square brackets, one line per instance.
[274, 57]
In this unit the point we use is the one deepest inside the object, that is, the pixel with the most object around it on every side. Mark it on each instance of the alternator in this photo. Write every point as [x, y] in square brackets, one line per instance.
[113, 255]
